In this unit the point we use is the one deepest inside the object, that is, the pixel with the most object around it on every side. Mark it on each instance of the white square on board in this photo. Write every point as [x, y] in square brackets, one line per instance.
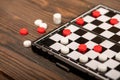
[89, 36]
[113, 74]
[107, 34]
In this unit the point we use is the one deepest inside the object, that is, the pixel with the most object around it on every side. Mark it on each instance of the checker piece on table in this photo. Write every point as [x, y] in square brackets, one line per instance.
[90, 42]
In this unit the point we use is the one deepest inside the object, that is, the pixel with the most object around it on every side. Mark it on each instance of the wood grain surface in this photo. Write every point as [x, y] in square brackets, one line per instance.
[19, 63]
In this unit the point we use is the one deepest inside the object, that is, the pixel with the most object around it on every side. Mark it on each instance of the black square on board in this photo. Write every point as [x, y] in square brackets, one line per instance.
[110, 14]
[118, 67]
[115, 38]
[115, 48]
[80, 32]
[97, 40]
[97, 22]
[81, 40]
[98, 30]
[114, 29]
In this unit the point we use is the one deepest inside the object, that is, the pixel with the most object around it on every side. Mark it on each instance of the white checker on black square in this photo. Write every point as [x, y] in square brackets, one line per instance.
[107, 34]
[92, 54]
[109, 53]
[88, 18]
[93, 64]
[107, 44]
[56, 37]
[113, 74]
[111, 63]
[74, 55]
[117, 16]
[91, 44]
[89, 36]
[103, 18]
[56, 46]
[73, 45]
[105, 26]
[72, 28]
[117, 25]
[118, 33]
[73, 36]
[103, 10]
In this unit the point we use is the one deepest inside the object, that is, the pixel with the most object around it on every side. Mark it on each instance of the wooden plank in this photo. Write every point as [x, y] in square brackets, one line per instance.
[18, 67]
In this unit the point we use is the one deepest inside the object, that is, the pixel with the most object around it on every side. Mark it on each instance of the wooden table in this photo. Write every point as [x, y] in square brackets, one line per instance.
[19, 63]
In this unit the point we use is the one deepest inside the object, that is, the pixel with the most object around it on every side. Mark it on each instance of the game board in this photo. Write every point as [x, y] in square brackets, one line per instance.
[94, 31]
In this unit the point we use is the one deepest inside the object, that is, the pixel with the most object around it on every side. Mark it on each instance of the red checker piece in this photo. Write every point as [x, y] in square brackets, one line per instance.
[82, 48]
[41, 30]
[80, 21]
[113, 21]
[98, 48]
[66, 32]
[23, 31]
[96, 14]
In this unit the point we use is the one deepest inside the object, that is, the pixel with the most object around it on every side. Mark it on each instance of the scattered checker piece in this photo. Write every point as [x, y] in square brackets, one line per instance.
[90, 42]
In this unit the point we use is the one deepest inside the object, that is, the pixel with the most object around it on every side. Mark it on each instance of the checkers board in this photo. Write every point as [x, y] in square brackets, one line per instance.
[95, 28]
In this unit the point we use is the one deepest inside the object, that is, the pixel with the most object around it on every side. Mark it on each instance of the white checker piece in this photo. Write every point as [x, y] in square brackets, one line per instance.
[91, 44]
[113, 74]
[56, 37]
[73, 36]
[73, 45]
[107, 44]
[93, 64]
[74, 55]
[90, 26]
[92, 54]
[105, 26]
[107, 34]
[111, 63]
[72, 28]
[103, 10]
[56, 46]
[89, 36]
[117, 16]
[103, 18]
[109, 53]
[88, 18]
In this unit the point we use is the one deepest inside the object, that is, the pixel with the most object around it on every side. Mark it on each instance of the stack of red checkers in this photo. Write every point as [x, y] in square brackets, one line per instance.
[82, 48]
[66, 32]
[96, 14]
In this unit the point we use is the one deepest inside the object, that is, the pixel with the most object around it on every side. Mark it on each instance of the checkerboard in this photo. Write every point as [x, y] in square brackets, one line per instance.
[95, 31]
